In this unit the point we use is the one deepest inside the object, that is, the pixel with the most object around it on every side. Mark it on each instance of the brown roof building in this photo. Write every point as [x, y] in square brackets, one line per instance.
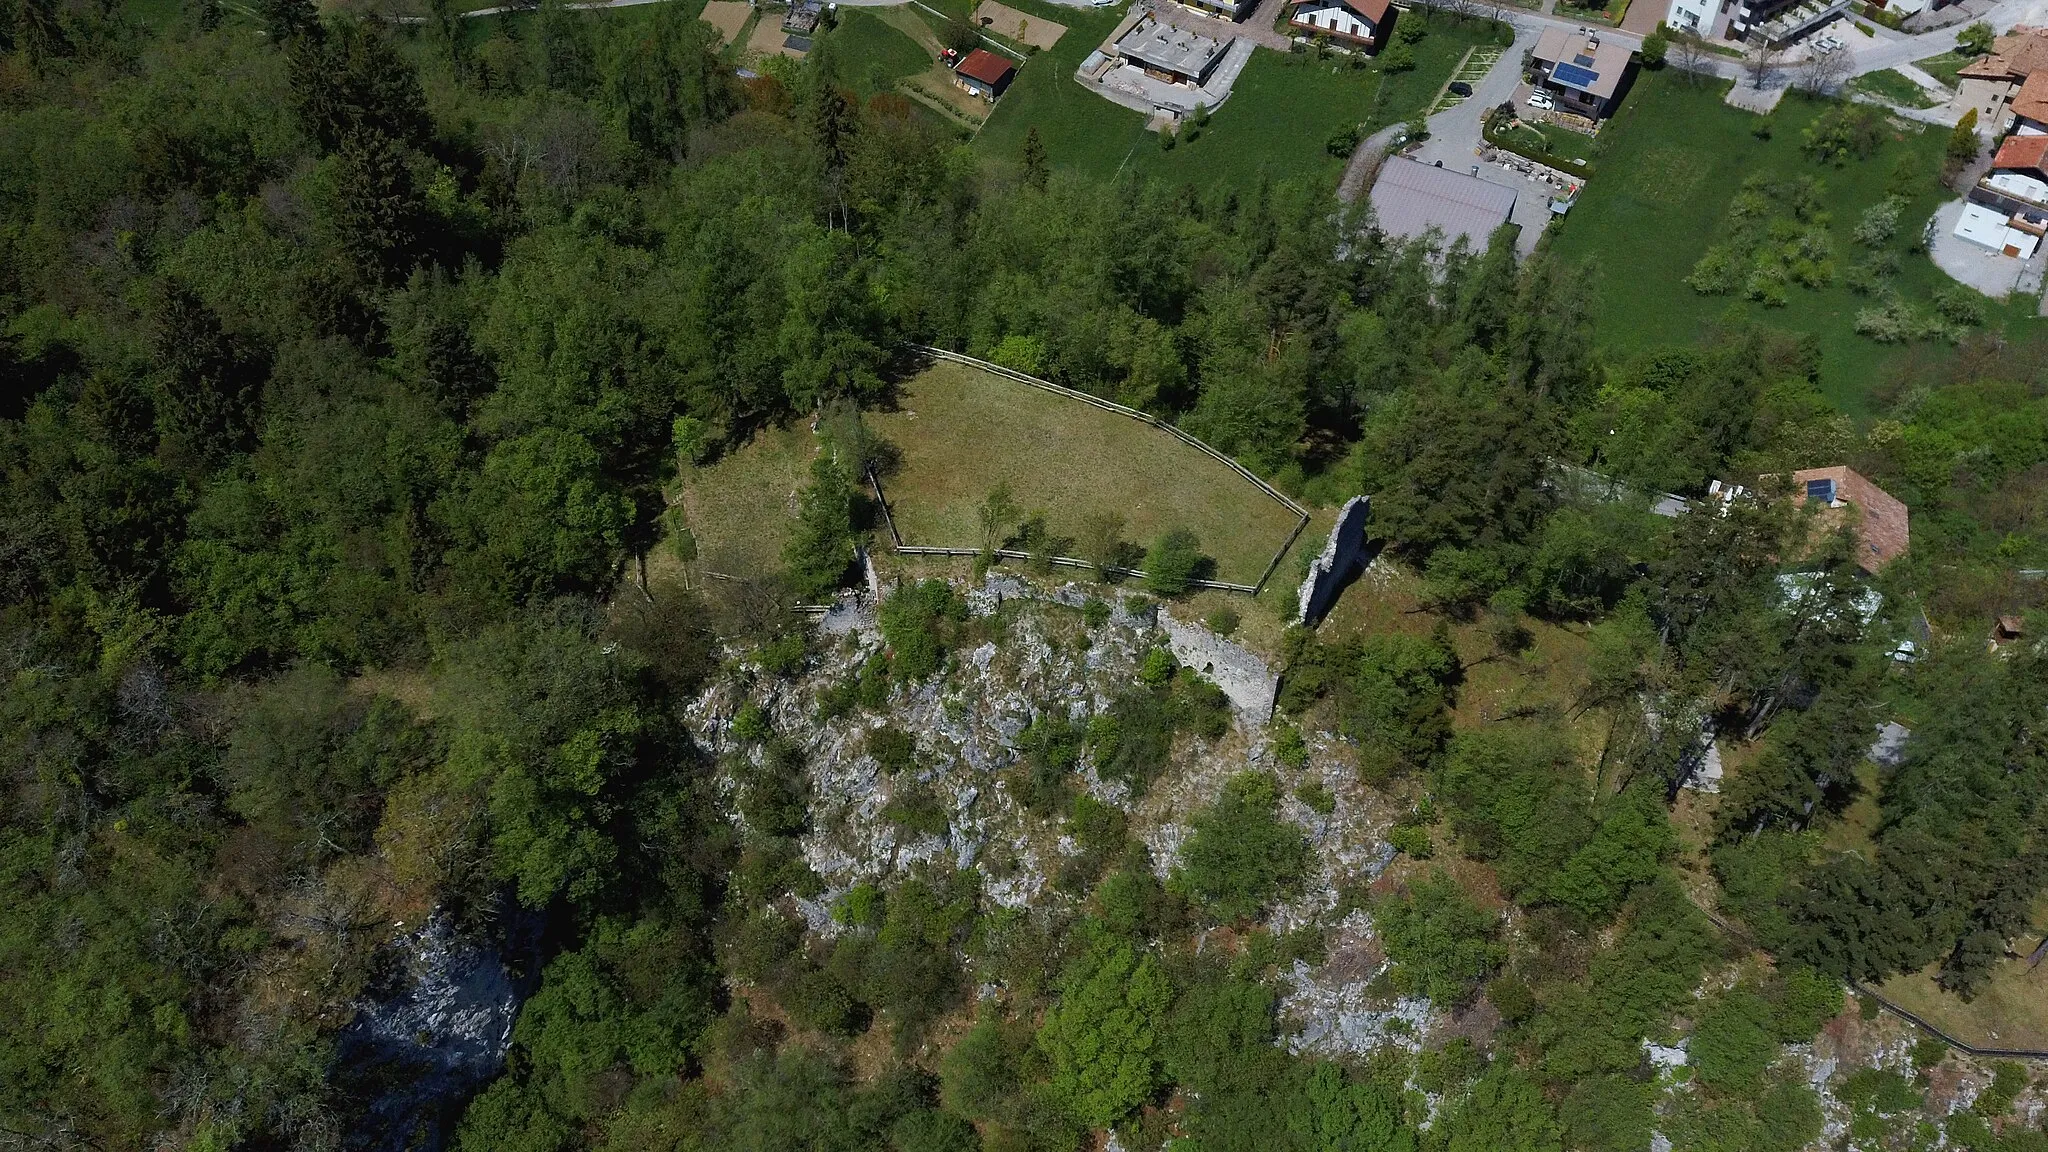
[1874, 515]
[2021, 153]
[2014, 56]
[2031, 101]
[984, 73]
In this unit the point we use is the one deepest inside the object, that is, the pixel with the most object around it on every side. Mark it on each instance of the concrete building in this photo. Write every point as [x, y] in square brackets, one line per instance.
[1583, 70]
[1357, 22]
[1411, 198]
[1169, 54]
[1706, 17]
[1227, 9]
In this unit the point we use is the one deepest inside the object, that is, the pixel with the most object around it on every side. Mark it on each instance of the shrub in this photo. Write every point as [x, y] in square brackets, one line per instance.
[1223, 621]
[1343, 141]
[1411, 840]
[893, 749]
[1240, 853]
[1317, 798]
[1173, 561]
[916, 623]
[1399, 58]
[1959, 305]
[1880, 222]
[1095, 612]
[1441, 943]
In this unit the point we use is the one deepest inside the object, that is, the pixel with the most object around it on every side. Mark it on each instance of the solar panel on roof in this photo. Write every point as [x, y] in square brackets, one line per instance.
[1822, 490]
[1574, 76]
[1583, 59]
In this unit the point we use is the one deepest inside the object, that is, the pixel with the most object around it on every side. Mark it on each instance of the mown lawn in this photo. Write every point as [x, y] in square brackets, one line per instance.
[1672, 160]
[1944, 67]
[1892, 85]
[1284, 109]
[2011, 1012]
[873, 56]
[742, 506]
[1078, 128]
[1278, 120]
[963, 431]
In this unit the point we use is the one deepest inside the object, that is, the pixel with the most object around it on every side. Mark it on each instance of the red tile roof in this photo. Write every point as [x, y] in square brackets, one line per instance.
[1373, 10]
[2031, 101]
[2021, 152]
[986, 67]
[1878, 519]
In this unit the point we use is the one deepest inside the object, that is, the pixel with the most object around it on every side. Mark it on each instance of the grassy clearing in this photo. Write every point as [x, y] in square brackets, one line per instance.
[1278, 120]
[874, 56]
[1602, 11]
[1078, 128]
[1944, 67]
[1550, 141]
[1893, 85]
[1684, 154]
[1285, 107]
[2011, 1012]
[742, 506]
[963, 431]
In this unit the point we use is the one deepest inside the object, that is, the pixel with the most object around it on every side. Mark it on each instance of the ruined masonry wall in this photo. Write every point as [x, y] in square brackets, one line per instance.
[1342, 552]
[1243, 676]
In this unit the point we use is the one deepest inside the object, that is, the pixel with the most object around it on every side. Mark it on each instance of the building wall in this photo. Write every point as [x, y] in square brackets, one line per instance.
[1334, 20]
[1697, 15]
[1342, 552]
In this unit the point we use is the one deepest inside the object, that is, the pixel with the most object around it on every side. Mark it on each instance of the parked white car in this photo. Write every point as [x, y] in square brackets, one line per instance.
[1542, 100]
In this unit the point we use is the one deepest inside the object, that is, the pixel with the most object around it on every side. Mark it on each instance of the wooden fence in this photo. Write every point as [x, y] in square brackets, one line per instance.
[1301, 514]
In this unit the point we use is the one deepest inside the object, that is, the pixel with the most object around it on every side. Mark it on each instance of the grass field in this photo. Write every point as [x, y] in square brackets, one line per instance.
[1280, 115]
[741, 507]
[1944, 67]
[963, 431]
[1078, 128]
[1892, 85]
[1284, 108]
[1684, 154]
[2011, 1012]
[873, 56]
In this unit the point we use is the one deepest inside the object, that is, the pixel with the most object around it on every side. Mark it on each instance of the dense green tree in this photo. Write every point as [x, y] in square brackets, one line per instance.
[1102, 1036]
[1240, 854]
[1442, 945]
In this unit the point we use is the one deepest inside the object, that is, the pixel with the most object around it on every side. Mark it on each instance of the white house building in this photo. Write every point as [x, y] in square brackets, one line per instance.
[1359, 22]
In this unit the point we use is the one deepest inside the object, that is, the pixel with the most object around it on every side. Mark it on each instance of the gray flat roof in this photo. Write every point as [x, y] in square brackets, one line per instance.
[1411, 197]
[1169, 49]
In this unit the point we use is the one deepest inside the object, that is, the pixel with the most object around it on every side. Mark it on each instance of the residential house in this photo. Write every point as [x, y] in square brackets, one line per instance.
[1411, 199]
[2030, 106]
[1227, 9]
[1169, 54]
[802, 17]
[984, 73]
[1988, 82]
[1779, 22]
[1582, 70]
[2007, 210]
[1706, 17]
[1841, 495]
[1358, 22]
